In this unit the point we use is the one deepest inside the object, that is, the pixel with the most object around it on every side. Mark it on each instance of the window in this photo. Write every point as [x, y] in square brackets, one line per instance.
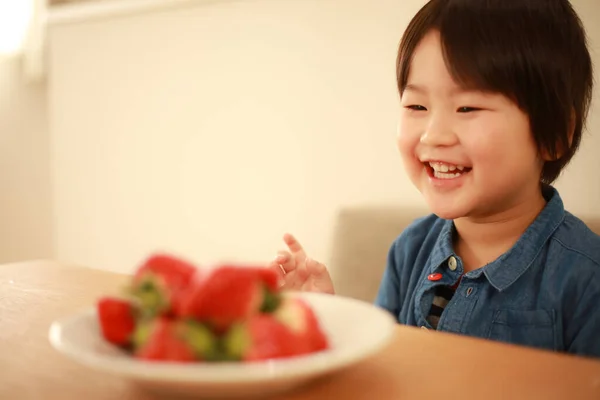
[15, 19]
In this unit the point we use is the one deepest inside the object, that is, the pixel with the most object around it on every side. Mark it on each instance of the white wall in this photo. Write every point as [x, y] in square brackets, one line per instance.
[210, 131]
[25, 208]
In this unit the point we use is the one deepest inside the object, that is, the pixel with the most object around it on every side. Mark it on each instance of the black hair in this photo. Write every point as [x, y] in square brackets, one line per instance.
[532, 51]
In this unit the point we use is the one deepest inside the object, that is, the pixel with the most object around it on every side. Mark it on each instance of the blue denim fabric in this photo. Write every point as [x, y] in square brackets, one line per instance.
[544, 292]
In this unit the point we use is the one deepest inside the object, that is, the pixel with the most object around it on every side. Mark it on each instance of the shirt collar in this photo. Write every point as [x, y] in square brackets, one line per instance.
[443, 248]
[507, 268]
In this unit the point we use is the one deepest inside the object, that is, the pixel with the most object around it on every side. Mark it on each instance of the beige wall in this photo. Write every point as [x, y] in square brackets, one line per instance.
[212, 130]
[580, 185]
[25, 208]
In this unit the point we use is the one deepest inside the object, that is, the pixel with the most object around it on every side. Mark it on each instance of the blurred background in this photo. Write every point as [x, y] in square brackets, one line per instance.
[207, 128]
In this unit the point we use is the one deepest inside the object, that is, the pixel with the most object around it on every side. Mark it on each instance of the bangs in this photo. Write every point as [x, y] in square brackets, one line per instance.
[484, 47]
[487, 50]
[476, 56]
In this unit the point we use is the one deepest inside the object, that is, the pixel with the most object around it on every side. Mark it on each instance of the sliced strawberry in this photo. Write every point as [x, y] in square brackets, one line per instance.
[226, 295]
[299, 317]
[159, 282]
[164, 339]
[117, 320]
[261, 338]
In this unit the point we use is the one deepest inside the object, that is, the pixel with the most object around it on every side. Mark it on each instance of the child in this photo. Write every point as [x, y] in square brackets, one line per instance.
[494, 96]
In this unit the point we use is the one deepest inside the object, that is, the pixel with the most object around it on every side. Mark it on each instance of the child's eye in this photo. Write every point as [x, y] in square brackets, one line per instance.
[416, 108]
[467, 109]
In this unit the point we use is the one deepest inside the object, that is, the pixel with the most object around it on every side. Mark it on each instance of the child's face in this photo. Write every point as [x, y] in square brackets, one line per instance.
[453, 128]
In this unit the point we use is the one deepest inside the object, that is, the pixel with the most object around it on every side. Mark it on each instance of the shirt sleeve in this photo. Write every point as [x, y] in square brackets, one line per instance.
[586, 321]
[388, 296]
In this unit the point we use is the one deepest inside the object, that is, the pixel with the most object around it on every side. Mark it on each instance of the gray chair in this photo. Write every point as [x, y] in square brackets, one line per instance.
[361, 240]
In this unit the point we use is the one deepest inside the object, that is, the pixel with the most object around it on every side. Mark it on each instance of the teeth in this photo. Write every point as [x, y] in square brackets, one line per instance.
[440, 167]
[441, 175]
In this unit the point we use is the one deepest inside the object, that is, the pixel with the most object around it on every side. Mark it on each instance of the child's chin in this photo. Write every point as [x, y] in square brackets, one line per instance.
[445, 211]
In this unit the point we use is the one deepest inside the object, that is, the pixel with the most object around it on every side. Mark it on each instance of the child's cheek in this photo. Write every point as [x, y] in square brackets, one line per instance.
[407, 140]
[407, 145]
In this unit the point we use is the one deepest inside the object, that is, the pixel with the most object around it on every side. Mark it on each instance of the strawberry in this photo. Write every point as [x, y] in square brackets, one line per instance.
[164, 339]
[117, 320]
[226, 295]
[268, 277]
[269, 280]
[260, 338]
[297, 315]
[229, 294]
[159, 283]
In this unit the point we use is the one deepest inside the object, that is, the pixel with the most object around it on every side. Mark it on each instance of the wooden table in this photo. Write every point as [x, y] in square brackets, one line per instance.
[418, 364]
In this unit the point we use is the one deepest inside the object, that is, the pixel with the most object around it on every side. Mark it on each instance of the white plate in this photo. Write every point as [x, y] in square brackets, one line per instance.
[356, 330]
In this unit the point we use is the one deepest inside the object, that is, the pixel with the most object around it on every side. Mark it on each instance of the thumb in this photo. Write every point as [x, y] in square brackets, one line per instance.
[320, 279]
[314, 267]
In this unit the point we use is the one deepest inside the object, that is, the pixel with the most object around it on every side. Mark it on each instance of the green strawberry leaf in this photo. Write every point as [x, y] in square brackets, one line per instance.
[202, 341]
[150, 296]
[271, 301]
[235, 342]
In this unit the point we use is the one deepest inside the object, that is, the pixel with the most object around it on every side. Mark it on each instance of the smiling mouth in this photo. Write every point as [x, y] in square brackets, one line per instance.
[440, 170]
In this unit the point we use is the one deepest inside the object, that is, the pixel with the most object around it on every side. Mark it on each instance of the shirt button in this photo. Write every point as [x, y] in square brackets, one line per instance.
[452, 264]
[434, 277]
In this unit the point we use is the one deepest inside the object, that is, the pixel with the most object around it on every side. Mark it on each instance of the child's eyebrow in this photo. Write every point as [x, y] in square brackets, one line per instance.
[411, 87]
[415, 88]
[456, 91]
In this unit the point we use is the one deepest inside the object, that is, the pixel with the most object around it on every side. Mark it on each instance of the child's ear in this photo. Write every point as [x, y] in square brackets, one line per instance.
[560, 150]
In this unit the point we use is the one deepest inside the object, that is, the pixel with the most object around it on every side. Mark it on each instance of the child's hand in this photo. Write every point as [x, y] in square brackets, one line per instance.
[298, 272]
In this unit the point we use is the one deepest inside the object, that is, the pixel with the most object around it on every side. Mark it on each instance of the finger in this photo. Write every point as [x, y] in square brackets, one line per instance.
[294, 245]
[276, 267]
[296, 280]
[313, 267]
[320, 280]
[285, 260]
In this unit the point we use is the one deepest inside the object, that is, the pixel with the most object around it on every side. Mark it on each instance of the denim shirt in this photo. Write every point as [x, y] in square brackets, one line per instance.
[544, 292]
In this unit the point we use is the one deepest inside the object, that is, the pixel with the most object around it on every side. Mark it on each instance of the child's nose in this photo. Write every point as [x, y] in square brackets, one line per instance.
[438, 133]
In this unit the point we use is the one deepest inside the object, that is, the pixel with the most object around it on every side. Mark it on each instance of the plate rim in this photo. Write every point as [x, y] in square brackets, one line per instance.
[226, 372]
